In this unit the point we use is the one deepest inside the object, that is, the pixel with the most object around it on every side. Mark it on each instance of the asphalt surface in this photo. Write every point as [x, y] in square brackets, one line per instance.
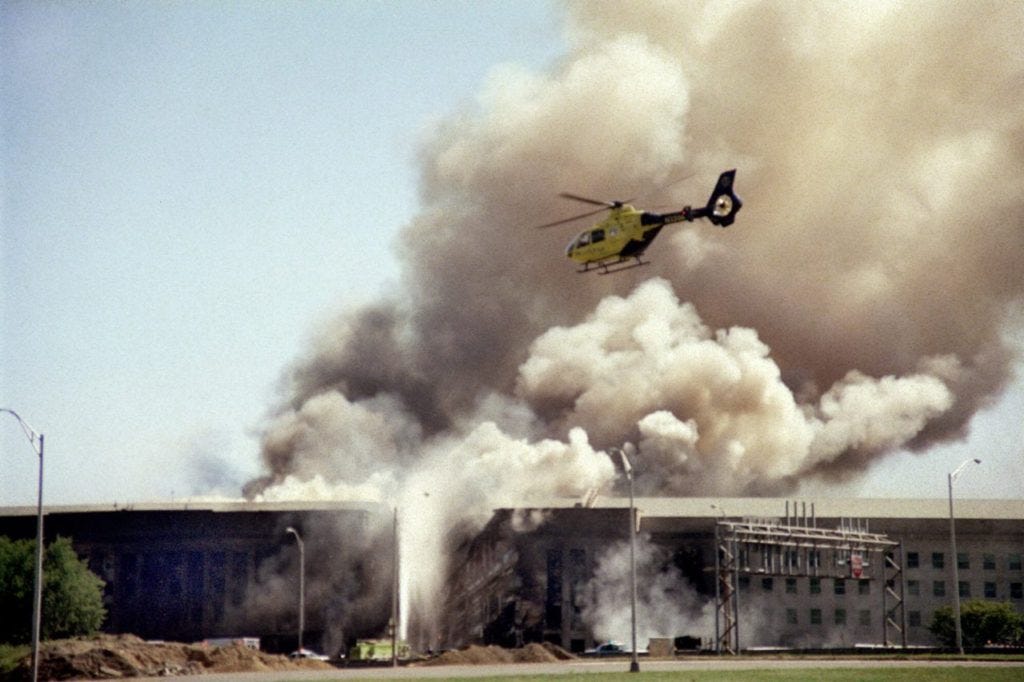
[578, 667]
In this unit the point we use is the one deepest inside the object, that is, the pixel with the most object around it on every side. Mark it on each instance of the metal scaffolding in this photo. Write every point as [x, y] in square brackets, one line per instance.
[795, 546]
[894, 577]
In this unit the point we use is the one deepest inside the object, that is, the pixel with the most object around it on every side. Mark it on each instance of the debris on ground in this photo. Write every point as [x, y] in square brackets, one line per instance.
[484, 655]
[116, 656]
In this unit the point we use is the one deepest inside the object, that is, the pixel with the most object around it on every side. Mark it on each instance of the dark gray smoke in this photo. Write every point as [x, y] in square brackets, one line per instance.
[857, 306]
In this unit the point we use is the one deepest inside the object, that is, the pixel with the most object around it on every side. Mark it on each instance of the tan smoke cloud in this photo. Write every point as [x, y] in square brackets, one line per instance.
[858, 304]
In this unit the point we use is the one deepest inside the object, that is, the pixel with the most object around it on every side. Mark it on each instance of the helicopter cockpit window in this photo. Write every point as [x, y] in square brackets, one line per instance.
[584, 239]
[597, 236]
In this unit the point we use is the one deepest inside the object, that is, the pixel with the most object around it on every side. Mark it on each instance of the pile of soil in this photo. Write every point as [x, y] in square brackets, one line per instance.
[113, 656]
[483, 655]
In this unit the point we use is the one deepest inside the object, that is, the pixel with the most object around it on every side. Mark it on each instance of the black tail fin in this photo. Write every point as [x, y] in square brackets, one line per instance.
[724, 204]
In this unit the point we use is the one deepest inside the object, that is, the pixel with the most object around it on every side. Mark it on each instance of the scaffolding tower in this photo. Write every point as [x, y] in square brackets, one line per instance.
[794, 546]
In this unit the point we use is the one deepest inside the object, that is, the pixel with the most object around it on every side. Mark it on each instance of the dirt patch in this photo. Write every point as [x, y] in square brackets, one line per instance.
[484, 655]
[114, 656]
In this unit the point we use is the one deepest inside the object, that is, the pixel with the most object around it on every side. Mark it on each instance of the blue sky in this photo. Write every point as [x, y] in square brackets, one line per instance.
[190, 188]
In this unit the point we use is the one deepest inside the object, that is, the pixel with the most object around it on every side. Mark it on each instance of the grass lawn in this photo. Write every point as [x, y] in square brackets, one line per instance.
[10, 655]
[924, 674]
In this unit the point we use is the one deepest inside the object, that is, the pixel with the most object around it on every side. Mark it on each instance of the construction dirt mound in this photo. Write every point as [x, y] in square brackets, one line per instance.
[482, 655]
[113, 656]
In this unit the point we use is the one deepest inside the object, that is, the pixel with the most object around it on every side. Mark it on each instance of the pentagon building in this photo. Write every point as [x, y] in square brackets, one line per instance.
[193, 571]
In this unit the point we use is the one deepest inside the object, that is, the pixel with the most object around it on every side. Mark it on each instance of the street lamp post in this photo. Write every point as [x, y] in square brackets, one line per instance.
[634, 664]
[36, 439]
[395, 588]
[302, 583]
[953, 559]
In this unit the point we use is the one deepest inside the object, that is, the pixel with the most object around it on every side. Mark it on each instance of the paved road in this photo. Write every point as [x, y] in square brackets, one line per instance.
[450, 672]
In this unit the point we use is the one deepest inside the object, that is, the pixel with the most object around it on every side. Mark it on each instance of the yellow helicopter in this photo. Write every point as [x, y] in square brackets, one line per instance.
[618, 242]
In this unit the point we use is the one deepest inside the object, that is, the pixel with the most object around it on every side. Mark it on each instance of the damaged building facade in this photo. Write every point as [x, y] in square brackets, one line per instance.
[189, 572]
[529, 575]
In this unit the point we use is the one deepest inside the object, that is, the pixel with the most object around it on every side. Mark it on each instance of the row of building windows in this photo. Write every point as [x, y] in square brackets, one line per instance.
[814, 585]
[989, 588]
[963, 560]
[839, 617]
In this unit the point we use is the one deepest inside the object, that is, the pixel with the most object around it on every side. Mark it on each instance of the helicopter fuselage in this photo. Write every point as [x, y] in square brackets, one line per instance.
[625, 234]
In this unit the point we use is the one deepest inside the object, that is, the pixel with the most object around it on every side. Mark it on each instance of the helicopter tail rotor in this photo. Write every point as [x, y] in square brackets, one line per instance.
[723, 205]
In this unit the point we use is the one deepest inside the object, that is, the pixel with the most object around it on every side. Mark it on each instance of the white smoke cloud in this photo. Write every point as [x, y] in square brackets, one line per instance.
[667, 605]
[711, 410]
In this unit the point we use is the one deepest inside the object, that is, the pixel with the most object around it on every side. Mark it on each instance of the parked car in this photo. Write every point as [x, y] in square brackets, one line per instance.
[612, 649]
[607, 649]
[307, 654]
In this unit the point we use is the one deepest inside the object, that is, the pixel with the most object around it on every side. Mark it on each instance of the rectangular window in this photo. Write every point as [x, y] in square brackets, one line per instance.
[791, 617]
[990, 590]
[913, 588]
[815, 584]
[840, 586]
[814, 558]
[914, 619]
[815, 616]
[744, 582]
[913, 560]
[1016, 590]
[767, 584]
[938, 560]
[840, 617]
[988, 562]
[963, 560]
[965, 589]
[790, 585]
[939, 588]
[863, 587]
[864, 617]
[1013, 562]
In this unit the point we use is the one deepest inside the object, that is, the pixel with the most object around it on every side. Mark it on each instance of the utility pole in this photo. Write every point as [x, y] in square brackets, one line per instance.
[302, 583]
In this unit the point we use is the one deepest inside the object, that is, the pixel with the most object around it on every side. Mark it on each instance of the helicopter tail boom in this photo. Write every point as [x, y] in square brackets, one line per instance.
[721, 209]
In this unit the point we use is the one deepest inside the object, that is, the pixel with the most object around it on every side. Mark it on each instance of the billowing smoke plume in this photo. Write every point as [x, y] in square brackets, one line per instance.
[711, 411]
[858, 305]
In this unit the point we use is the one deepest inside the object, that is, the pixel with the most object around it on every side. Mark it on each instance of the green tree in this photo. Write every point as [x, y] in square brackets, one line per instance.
[72, 594]
[981, 622]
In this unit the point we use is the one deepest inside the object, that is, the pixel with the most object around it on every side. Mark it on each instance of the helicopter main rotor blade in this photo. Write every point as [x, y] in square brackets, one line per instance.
[574, 218]
[585, 200]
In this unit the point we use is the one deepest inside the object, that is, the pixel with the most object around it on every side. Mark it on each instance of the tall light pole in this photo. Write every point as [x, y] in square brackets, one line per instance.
[953, 559]
[36, 439]
[634, 664]
[395, 591]
[302, 583]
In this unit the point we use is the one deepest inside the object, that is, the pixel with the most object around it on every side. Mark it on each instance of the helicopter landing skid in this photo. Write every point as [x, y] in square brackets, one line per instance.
[615, 266]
